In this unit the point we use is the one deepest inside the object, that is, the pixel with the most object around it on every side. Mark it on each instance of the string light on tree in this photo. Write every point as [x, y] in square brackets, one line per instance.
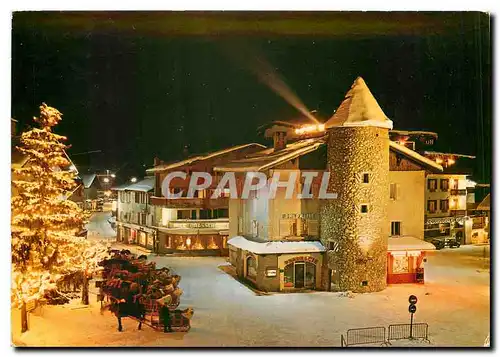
[44, 223]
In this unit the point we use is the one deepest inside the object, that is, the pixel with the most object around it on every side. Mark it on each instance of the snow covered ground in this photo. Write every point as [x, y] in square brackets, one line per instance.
[99, 226]
[455, 302]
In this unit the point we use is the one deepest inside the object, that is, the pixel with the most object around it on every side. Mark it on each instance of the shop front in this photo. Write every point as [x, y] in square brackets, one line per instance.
[277, 266]
[190, 242]
[134, 234]
[405, 259]
[299, 272]
[194, 237]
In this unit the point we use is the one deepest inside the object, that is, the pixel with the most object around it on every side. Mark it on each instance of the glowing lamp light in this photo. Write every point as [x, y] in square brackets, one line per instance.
[107, 193]
[106, 180]
[306, 129]
[451, 161]
[439, 160]
[133, 179]
[113, 175]
[188, 242]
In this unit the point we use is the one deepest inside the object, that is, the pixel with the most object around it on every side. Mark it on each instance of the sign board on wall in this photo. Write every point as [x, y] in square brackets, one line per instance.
[271, 273]
[301, 259]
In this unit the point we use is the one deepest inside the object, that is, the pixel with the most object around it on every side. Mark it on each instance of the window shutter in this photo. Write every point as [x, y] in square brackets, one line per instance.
[398, 191]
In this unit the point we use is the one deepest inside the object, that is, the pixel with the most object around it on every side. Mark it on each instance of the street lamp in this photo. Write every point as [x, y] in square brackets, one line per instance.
[106, 180]
[133, 179]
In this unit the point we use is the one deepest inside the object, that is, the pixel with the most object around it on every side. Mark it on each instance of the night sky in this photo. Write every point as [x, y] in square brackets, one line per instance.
[140, 85]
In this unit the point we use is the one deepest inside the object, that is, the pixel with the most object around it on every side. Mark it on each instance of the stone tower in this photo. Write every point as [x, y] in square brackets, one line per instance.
[355, 227]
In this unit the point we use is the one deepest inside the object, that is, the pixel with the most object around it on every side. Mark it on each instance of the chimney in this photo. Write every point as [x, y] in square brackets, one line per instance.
[279, 140]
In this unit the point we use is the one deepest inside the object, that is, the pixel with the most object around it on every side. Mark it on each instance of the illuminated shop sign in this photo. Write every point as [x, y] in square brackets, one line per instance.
[300, 216]
[213, 225]
[271, 273]
[301, 259]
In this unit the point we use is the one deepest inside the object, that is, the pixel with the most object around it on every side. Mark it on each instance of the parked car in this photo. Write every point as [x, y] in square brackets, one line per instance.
[451, 242]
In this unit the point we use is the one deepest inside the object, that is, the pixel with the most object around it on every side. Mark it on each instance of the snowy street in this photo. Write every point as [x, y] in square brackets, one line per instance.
[99, 227]
[454, 302]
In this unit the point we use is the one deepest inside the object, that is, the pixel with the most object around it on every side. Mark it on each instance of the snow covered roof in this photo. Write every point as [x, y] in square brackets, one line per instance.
[359, 108]
[88, 179]
[120, 187]
[268, 158]
[165, 167]
[436, 153]
[405, 243]
[414, 155]
[485, 204]
[276, 247]
[414, 132]
[145, 185]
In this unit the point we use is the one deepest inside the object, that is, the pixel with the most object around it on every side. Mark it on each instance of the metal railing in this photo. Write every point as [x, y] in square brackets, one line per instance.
[362, 336]
[408, 331]
[370, 335]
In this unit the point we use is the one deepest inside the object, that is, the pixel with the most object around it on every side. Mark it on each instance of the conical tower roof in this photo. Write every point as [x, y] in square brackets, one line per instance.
[359, 108]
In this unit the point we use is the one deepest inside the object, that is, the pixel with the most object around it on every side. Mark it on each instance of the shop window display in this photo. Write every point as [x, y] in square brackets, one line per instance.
[400, 265]
[289, 276]
[310, 275]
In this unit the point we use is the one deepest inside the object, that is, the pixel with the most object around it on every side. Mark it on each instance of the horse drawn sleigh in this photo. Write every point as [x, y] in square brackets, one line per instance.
[132, 287]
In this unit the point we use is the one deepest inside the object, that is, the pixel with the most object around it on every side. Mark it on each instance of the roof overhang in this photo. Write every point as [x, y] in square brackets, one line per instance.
[167, 167]
[415, 155]
[408, 243]
[276, 247]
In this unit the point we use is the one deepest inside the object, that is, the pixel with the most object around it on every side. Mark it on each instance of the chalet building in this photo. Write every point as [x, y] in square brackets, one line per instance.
[417, 140]
[371, 235]
[450, 199]
[134, 215]
[198, 225]
[481, 222]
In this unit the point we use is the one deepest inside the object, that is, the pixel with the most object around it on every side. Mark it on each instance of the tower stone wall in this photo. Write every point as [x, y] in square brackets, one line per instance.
[356, 241]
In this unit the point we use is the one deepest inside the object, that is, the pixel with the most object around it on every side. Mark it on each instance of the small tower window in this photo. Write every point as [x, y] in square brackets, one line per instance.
[366, 177]
[364, 208]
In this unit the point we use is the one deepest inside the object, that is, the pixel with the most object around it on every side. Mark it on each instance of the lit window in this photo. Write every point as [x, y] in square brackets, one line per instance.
[432, 184]
[431, 206]
[394, 191]
[366, 178]
[395, 228]
[255, 228]
[445, 183]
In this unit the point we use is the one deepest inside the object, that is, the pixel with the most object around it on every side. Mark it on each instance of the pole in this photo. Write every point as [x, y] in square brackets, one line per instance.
[24, 318]
[85, 289]
[411, 326]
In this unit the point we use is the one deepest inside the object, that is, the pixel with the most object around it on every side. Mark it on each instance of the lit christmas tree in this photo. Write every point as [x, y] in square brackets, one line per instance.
[44, 223]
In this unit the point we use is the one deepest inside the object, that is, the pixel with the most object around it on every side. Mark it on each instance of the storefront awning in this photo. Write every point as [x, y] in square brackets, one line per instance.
[407, 243]
[275, 247]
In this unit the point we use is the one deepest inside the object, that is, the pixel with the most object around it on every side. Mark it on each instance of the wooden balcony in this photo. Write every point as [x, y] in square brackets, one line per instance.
[478, 222]
[184, 202]
[458, 212]
[462, 192]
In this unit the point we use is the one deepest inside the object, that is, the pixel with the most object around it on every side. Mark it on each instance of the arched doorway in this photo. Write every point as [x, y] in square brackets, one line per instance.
[251, 268]
[300, 275]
